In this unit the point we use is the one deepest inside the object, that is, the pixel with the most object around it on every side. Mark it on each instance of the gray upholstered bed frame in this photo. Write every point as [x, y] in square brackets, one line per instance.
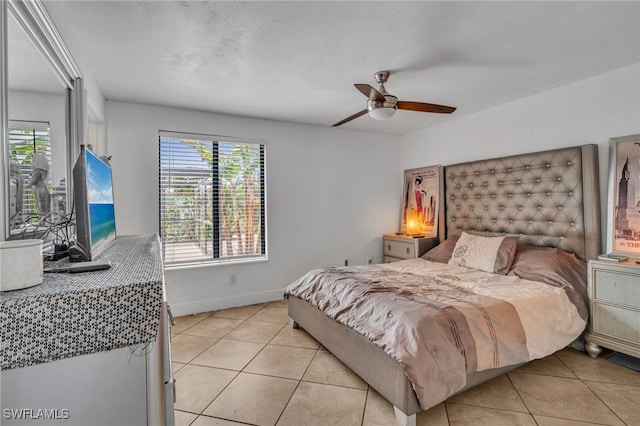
[548, 198]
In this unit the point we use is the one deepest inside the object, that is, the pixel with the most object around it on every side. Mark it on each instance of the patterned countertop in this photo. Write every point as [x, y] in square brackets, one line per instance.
[82, 313]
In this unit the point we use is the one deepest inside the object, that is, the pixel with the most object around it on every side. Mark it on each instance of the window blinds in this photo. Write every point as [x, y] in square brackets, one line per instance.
[211, 193]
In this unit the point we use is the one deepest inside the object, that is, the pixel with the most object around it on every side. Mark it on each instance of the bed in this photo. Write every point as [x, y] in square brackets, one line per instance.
[506, 285]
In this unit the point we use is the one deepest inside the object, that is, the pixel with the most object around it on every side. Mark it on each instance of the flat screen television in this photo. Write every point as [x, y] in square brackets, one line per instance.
[93, 203]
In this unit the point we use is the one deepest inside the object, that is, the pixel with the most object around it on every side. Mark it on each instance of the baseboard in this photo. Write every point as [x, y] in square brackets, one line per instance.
[180, 309]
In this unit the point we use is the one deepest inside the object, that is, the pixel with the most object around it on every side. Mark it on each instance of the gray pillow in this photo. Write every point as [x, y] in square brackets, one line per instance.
[442, 252]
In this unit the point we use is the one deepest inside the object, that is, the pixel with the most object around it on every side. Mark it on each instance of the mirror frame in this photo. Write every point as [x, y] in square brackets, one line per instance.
[36, 22]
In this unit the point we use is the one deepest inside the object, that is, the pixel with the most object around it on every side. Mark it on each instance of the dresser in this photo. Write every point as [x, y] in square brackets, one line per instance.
[614, 305]
[401, 247]
[90, 348]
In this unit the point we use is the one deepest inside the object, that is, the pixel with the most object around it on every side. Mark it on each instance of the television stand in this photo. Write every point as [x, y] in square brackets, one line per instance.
[92, 345]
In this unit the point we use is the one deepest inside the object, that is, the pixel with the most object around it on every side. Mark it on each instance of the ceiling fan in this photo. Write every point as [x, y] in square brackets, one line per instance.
[382, 105]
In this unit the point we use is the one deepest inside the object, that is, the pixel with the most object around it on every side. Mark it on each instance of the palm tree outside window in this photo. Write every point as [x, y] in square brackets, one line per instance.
[212, 198]
[28, 140]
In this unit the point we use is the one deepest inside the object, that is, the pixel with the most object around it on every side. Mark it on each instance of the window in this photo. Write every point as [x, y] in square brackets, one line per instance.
[26, 139]
[212, 198]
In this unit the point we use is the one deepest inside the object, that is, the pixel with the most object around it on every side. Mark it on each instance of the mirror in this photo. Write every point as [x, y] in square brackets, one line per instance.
[42, 122]
[37, 137]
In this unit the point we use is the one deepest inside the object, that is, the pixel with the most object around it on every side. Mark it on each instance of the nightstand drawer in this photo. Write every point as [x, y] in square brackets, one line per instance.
[402, 249]
[614, 307]
[617, 322]
[617, 287]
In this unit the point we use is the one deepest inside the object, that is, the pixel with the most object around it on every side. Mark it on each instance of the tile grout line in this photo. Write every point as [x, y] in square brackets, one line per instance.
[210, 315]
[296, 388]
[299, 380]
[591, 390]
[242, 369]
[234, 377]
[364, 409]
[576, 378]
[603, 402]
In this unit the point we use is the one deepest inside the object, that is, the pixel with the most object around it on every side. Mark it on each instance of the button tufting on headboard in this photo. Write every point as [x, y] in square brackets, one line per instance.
[539, 196]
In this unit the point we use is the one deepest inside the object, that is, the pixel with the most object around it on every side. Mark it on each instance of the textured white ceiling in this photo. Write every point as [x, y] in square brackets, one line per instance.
[298, 61]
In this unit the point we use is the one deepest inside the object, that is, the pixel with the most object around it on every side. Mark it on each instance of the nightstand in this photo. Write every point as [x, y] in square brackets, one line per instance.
[614, 305]
[401, 247]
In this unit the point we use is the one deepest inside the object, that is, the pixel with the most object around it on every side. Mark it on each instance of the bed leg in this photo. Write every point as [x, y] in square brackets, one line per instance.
[403, 420]
[293, 324]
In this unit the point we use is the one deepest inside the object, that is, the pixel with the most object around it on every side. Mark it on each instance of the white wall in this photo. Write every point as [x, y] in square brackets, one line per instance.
[331, 194]
[589, 111]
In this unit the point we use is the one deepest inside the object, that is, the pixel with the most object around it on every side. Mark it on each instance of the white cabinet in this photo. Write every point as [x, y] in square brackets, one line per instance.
[90, 348]
[401, 247]
[614, 304]
[103, 388]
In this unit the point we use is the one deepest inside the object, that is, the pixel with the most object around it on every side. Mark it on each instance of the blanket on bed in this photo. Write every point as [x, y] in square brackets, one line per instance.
[441, 322]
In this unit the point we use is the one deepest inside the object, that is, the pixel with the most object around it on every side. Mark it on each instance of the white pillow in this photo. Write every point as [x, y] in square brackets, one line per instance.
[489, 254]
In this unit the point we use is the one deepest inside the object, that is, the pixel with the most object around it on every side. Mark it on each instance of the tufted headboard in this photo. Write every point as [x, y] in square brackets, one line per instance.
[548, 198]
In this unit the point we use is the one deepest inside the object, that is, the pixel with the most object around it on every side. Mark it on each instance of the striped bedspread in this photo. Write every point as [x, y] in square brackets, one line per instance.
[440, 321]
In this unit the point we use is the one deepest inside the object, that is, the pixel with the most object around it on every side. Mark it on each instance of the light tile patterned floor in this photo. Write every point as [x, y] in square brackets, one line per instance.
[247, 366]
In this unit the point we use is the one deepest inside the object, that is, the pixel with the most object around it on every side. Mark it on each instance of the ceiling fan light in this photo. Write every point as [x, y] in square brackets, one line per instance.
[382, 113]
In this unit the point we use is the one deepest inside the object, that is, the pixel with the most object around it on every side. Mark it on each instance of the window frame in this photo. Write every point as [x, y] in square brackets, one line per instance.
[216, 256]
[30, 213]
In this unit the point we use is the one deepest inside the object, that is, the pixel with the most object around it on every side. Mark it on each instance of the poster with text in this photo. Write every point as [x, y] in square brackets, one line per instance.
[624, 197]
[421, 201]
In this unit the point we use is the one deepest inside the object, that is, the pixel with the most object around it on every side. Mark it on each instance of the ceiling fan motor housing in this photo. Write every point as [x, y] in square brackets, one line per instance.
[383, 110]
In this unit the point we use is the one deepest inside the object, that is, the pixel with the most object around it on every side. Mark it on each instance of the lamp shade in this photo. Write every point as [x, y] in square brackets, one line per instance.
[382, 113]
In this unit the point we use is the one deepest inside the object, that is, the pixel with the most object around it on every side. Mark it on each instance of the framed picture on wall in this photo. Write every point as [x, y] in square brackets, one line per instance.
[623, 208]
[421, 201]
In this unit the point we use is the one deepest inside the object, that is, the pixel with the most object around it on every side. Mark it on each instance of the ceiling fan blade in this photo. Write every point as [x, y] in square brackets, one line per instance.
[352, 117]
[370, 92]
[423, 107]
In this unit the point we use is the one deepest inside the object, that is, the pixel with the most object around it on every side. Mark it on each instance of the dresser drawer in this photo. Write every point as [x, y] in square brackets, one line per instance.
[614, 302]
[617, 287]
[617, 322]
[398, 248]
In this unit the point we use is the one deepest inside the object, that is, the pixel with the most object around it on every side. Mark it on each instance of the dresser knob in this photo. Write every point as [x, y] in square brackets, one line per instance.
[408, 250]
[389, 247]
